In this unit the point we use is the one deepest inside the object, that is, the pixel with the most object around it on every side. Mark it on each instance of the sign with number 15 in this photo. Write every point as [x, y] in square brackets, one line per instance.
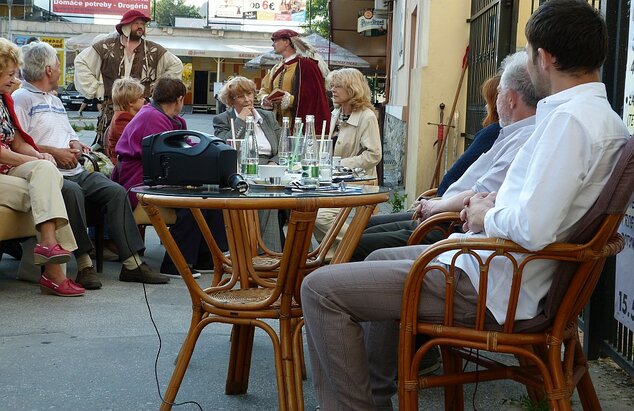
[624, 286]
[624, 289]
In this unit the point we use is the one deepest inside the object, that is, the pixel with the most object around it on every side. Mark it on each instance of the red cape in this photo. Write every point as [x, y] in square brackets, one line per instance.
[310, 93]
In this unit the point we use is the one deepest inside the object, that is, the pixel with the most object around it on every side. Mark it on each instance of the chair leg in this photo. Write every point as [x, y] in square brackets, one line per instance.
[99, 241]
[585, 388]
[300, 347]
[184, 356]
[300, 364]
[454, 394]
[239, 359]
[536, 395]
[142, 232]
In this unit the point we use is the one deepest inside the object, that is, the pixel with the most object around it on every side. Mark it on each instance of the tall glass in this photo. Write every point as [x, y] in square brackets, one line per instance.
[325, 160]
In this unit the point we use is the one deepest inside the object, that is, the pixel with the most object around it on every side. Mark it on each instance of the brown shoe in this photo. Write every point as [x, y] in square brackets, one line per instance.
[142, 274]
[88, 279]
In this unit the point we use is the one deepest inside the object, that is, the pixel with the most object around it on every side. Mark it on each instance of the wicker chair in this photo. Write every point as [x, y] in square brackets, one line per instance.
[537, 343]
[266, 263]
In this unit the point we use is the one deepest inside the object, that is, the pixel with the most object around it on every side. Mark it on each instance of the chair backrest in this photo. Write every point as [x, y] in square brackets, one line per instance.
[614, 199]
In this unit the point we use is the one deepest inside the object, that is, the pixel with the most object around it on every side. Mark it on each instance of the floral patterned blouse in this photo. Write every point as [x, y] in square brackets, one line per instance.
[7, 134]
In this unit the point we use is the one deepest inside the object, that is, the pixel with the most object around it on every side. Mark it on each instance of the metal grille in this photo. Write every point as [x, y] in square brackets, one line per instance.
[595, 3]
[492, 31]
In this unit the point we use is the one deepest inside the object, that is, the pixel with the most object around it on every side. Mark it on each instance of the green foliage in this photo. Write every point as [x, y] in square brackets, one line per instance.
[529, 405]
[83, 126]
[165, 11]
[317, 20]
[397, 201]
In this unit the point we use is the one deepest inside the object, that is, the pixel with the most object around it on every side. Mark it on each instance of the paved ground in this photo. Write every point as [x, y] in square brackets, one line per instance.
[98, 352]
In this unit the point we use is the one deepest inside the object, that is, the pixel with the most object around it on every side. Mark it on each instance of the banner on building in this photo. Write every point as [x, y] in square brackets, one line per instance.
[102, 7]
[624, 289]
[286, 12]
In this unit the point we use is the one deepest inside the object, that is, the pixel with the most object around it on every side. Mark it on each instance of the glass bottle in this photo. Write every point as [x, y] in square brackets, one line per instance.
[296, 157]
[284, 147]
[249, 151]
[310, 157]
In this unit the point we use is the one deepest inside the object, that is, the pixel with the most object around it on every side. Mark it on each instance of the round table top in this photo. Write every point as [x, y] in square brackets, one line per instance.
[211, 196]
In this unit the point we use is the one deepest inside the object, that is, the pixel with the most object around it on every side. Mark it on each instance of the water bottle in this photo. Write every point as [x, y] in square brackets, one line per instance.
[249, 151]
[284, 146]
[310, 157]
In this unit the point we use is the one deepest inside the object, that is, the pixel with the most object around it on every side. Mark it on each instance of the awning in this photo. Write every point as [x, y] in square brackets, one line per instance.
[332, 53]
[192, 46]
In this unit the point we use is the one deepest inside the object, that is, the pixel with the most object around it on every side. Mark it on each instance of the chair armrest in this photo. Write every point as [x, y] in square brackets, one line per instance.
[445, 223]
[563, 252]
[431, 193]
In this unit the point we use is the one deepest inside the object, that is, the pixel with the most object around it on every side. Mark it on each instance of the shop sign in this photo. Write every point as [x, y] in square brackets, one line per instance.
[108, 7]
[56, 42]
[369, 23]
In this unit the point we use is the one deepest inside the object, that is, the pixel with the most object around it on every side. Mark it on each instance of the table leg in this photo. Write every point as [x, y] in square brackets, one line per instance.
[351, 238]
[239, 359]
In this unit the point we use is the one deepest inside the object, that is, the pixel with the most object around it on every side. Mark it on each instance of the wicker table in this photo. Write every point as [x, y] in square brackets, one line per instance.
[245, 298]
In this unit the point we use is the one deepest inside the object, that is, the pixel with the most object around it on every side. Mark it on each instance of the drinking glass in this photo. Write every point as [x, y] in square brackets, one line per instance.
[325, 160]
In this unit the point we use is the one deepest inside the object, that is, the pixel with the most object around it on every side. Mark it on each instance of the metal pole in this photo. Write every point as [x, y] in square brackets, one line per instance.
[10, 5]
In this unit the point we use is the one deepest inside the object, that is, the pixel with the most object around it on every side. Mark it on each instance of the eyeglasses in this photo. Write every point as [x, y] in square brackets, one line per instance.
[243, 96]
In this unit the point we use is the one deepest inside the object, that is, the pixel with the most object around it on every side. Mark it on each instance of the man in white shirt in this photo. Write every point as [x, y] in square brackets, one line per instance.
[351, 310]
[43, 116]
[516, 107]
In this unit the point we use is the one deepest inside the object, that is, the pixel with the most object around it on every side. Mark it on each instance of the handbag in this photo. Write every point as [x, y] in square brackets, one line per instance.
[98, 162]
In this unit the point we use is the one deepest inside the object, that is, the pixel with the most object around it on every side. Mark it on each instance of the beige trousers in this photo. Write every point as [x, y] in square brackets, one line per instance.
[36, 186]
[325, 219]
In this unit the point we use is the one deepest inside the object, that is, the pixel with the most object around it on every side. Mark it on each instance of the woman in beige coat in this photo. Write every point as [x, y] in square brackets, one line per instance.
[354, 129]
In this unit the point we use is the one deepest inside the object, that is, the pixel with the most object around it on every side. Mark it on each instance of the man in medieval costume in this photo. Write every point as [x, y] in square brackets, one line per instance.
[124, 53]
[295, 86]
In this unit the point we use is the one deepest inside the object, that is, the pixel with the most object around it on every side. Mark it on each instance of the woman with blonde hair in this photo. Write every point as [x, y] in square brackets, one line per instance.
[30, 181]
[354, 129]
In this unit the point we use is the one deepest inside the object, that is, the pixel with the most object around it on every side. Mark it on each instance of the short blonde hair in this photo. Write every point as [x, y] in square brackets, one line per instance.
[234, 87]
[9, 53]
[355, 84]
[126, 91]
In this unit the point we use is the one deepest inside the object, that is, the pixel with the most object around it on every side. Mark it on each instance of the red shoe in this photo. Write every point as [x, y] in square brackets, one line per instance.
[67, 288]
[50, 255]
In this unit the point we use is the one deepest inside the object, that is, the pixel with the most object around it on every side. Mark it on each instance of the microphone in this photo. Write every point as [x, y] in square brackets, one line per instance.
[237, 183]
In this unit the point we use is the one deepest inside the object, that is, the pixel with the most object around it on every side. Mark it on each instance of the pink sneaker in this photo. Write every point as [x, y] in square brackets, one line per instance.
[67, 288]
[50, 255]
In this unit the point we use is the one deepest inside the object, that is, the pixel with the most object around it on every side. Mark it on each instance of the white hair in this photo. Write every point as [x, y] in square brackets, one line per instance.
[36, 56]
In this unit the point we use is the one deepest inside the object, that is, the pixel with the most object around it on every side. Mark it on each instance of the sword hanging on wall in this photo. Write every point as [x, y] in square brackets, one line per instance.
[441, 143]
